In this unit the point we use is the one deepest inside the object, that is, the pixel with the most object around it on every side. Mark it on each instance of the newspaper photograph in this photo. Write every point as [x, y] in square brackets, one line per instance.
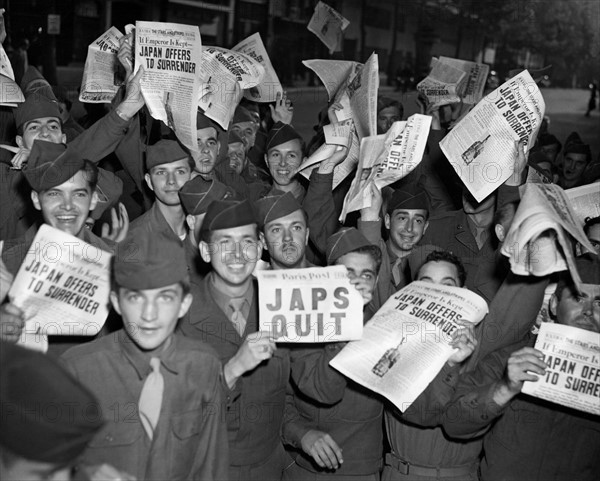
[316, 305]
[101, 80]
[224, 76]
[63, 285]
[407, 342]
[473, 87]
[573, 376]
[171, 55]
[328, 25]
[483, 145]
[269, 86]
[384, 159]
[538, 242]
[444, 85]
[585, 201]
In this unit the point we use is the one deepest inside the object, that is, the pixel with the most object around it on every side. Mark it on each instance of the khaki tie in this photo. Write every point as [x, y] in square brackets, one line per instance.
[237, 316]
[151, 398]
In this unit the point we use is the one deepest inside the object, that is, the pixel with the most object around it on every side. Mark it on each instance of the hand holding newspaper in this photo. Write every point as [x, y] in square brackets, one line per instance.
[537, 242]
[62, 286]
[328, 25]
[407, 342]
[171, 55]
[316, 304]
[100, 81]
[573, 376]
[483, 145]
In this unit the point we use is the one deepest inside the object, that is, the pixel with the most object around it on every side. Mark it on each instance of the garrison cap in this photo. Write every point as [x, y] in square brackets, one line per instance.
[158, 260]
[228, 214]
[35, 106]
[281, 133]
[51, 164]
[275, 206]
[48, 416]
[408, 197]
[345, 240]
[197, 194]
[164, 152]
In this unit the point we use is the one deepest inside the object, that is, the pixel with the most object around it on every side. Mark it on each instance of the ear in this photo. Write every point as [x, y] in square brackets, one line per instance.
[553, 305]
[95, 200]
[261, 238]
[426, 226]
[205, 252]
[63, 139]
[500, 234]
[114, 300]
[218, 146]
[148, 180]
[19, 140]
[307, 236]
[36, 200]
[266, 162]
[387, 221]
[186, 303]
[190, 221]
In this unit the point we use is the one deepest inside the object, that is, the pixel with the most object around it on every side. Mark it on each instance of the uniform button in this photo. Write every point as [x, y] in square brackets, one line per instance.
[109, 438]
[459, 227]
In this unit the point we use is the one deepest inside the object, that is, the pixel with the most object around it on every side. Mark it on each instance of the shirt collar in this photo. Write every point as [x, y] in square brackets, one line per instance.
[140, 360]
[222, 299]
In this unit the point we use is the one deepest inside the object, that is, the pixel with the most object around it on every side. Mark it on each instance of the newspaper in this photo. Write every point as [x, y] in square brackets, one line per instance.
[328, 25]
[358, 82]
[5, 65]
[269, 86]
[171, 55]
[10, 93]
[539, 239]
[63, 285]
[585, 201]
[483, 145]
[316, 304]
[384, 159]
[444, 85]
[100, 81]
[224, 76]
[407, 342]
[573, 378]
[473, 87]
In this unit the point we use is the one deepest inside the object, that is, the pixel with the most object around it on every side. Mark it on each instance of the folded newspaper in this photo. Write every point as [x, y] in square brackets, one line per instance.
[540, 239]
[444, 85]
[585, 201]
[407, 342]
[482, 147]
[573, 376]
[328, 25]
[62, 286]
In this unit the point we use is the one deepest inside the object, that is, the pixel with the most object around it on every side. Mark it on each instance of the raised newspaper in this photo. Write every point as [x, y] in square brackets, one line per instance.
[483, 145]
[171, 54]
[269, 86]
[539, 241]
[10, 93]
[316, 304]
[328, 25]
[101, 80]
[407, 342]
[384, 159]
[444, 85]
[473, 87]
[585, 201]
[63, 285]
[573, 376]
[225, 74]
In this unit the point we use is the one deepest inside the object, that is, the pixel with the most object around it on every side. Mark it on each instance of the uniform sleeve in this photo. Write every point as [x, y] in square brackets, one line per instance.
[320, 209]
[312, 375]
[293, 429]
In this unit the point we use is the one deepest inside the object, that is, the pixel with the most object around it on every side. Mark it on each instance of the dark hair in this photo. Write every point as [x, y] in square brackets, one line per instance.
[184, 283]
[371, 250]
[445, 256]
[590, 222]
[90, 172]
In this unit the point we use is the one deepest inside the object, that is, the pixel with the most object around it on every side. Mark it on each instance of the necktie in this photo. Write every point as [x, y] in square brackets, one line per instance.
[151, 398]
[237, 317]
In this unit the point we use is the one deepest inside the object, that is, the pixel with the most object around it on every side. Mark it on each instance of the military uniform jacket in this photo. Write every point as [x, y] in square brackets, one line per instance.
[255, 417]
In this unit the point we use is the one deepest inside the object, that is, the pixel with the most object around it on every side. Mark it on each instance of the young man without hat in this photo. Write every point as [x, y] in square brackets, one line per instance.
[162, 393]
[225, 315]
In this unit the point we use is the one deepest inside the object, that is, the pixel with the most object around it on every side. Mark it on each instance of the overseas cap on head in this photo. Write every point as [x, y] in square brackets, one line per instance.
[157, 261]
[281, 133]
[242, 114]
[35, 106]
[34, 82]
[385, 102]
[408, 197]
[345, 240]
[548, 139]
[51, 164]
[36, 423]
[203, 122]
[164, 152]
[275, 206]
[228, 214]
[197, 194]
[233, 138]
[574, 145]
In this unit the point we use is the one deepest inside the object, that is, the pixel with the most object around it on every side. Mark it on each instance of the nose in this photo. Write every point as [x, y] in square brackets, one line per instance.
[149, 311]
[67, 203]
[287, 234]
[171, 178]
[410, 225]
[204, 148]
[44, 131]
